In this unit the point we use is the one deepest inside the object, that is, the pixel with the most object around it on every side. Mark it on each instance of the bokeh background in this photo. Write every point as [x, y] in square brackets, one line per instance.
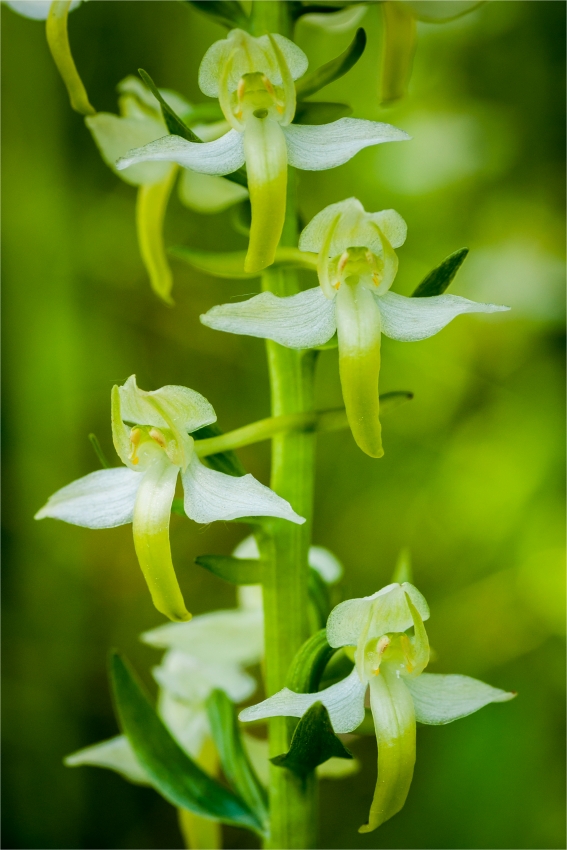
[473, 476]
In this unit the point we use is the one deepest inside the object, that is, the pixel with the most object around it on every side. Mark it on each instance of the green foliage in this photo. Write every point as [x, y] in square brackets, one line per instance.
[319, 112]
[172, 772]
[309, 663]
[313, 743]
[234, 760]
[438, 280]
[227, 13]
[333, 70]
[319, 596]
[226, 462]
[234, 570]
[174, 123]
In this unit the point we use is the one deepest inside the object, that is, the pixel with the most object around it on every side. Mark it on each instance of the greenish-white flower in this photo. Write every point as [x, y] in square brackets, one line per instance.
[356, 265]
[36, 9]
[254, 81]
[140, 122]
[156, 446]
[390, 663]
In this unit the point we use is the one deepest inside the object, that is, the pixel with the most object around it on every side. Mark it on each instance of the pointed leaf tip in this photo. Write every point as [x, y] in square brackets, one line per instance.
[438, 280]
[313, 743]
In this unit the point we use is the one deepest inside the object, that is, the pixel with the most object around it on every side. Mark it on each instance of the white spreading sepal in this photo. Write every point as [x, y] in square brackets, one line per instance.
[114, 754]
[299, 321]
[321, 146]
[344, 702]
[441, 699]
[212, 495]
[191, 679]
[103, 499]
[222, 156]
[38, 10]
[116, 135]
[412, 319]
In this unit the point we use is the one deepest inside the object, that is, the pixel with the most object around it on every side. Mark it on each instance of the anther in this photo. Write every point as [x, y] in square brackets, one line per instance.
[343, 261]
[135, 435]
[158, 437]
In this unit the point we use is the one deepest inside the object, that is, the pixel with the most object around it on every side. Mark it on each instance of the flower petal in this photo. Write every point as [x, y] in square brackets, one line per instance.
[189, 410]
[115, 136]
[344, 702]
[187, 722]
[394, 721]
[412, 319]
[299, 321]
[220, 157]
[116, 754]
[212, 495]
[336, 22]
[388, 608]
[441, 699]
[152, 513]
[235, 636]
[151, 205]
[392, 226]
[327, 565]
[191, 679]
[103, 499]
[317, 147]
[207, 194]
[314, 235]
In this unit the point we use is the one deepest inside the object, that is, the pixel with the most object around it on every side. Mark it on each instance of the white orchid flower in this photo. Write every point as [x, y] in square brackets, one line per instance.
[391, 664]
[155, 447]
[254, 81]
[356, 267]
[141, 121]
[38, 10]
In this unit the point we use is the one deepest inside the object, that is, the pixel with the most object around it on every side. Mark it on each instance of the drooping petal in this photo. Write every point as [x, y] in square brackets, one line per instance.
[299, 321]
[266, 166]
[220, 157]
[235, 636]
[358, 329]
[441, 699]
[389, 609]
[103, 499]
[412, 319]
[207, 194]
[150, 213]
[115, 754]
[317, 147]
[336, 22]
[344, 702]
[115, 136]
[394, 721]
[212, 495]
[151, 537]
[58, 41]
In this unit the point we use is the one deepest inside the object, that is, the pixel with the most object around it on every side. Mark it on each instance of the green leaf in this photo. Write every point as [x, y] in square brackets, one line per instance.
[313, 743]
[334, 69]
[298, 9]
[235, 570]
[172, 772]
[226, 462]
[230, 264]
[318, 112]
[174, 123]
[307, 667]
[234, 760]
[227, 13]
[319, 596]
[177, 507]
[439, 279]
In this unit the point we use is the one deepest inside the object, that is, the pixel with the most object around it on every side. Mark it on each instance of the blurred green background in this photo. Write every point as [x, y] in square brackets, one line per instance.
[472, 479]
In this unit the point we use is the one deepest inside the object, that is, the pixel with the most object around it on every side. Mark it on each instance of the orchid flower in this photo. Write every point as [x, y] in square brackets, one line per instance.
[390, 663]
[254, 81]
[155, 447]
[356, 266]
[141, 121]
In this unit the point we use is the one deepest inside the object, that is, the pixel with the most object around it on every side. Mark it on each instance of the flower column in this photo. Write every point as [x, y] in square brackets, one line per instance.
[292, 805]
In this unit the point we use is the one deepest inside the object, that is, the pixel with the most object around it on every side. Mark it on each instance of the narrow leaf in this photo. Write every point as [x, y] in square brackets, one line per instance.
[227, 13]
[174, 123]
[172, 772]
[98, 451]
[333, 70]
[438, 280]
[319, 596]
[298, 9]
[398, 48]
[226, 462]
[320, 113]
[234, 760]
[313, 743]
[307, 667]
[234, 570]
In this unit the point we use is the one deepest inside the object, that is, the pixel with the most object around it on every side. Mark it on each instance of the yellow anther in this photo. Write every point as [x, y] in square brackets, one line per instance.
[135, 436]
[343, 261]
[268, 85]
[158, 437]
[241, 88]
